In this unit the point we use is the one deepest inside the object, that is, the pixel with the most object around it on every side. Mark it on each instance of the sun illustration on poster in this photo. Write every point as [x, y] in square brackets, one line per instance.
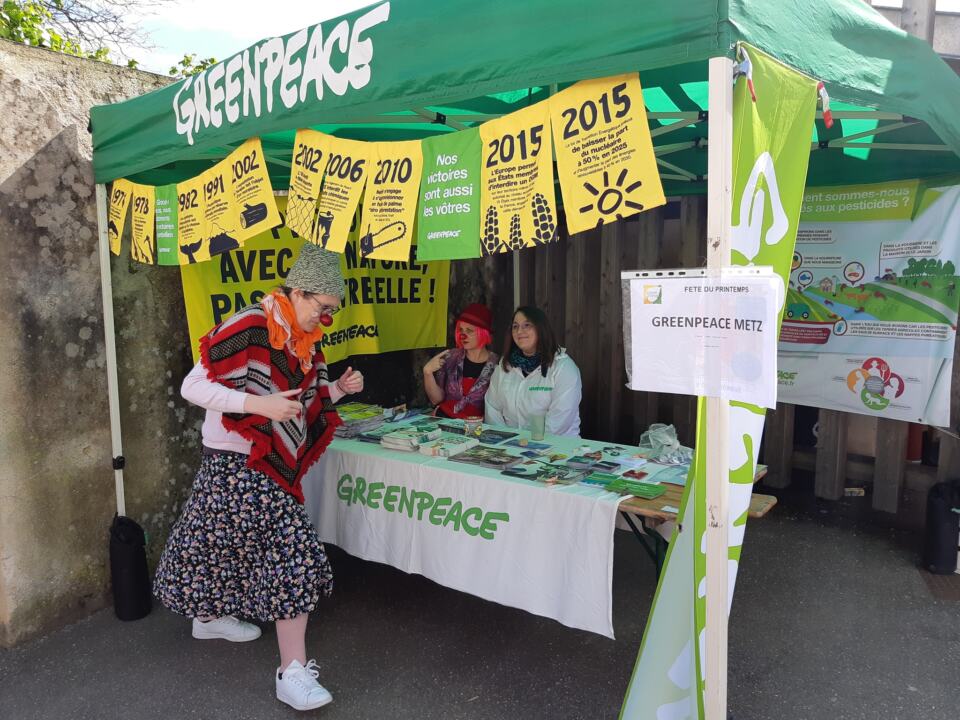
[611, 197]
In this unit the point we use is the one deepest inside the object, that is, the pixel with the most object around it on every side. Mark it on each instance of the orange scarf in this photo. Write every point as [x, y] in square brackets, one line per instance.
[289, 332]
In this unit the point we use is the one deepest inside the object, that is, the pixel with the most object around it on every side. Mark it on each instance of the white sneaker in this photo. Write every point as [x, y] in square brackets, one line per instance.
[297, 686]
[225, 628]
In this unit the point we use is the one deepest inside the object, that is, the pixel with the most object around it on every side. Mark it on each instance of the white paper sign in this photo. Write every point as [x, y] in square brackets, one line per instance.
[709, 333]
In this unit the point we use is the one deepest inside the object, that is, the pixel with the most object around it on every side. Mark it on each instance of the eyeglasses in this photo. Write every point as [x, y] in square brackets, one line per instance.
[322, 309]
[524, 326]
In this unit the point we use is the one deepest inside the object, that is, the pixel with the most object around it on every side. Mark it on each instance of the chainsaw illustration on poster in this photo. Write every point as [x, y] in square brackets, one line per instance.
[392, 232]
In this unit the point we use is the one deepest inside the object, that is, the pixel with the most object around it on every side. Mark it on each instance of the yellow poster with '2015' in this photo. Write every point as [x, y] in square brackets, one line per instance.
[605, 156]
[517, 203]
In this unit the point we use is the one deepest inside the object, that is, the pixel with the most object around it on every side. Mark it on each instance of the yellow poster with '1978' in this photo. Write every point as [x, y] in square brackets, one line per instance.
[143, 242]
[517, 203]
[605, 157]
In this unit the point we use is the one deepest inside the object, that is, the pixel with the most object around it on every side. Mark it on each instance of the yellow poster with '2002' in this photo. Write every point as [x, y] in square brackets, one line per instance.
[605, 157]
[517, 202]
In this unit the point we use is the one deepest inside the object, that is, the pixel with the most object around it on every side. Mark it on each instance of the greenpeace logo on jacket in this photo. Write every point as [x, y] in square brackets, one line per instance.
[512, 398]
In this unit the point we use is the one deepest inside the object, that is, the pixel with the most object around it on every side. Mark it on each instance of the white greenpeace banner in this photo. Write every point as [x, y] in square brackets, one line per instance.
[915, 389]
[698, 332]
[547, 550]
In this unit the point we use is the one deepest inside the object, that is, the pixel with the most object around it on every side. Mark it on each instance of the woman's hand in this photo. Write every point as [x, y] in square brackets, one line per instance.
[278, 406]
[435, 363]
[350, 382]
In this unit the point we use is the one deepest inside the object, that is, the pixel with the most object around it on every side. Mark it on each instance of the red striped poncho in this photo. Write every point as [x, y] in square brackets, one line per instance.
[237, 354]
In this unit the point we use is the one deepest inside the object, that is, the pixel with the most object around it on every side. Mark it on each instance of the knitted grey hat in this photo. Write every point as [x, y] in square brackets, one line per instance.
[317, 271]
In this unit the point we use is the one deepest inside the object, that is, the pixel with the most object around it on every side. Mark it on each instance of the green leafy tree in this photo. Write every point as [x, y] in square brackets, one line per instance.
[85, 28]
[949, 269]
[189, 65]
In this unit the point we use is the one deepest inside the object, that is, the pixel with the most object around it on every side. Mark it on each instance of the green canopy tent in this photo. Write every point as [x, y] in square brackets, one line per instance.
[404, 70]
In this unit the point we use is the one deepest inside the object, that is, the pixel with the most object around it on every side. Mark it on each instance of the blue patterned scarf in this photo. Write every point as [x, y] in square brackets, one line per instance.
[526, 364]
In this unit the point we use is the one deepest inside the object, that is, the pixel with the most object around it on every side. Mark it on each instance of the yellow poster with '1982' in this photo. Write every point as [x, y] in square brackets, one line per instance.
[605, 156]
[517, 202]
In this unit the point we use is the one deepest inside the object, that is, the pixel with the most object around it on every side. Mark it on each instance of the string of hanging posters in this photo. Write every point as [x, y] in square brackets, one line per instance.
[462, 194]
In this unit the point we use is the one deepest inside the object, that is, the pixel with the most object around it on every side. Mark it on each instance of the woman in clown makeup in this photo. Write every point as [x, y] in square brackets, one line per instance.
[457, 380]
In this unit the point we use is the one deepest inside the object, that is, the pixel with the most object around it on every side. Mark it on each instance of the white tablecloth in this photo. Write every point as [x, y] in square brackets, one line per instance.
[544, 549]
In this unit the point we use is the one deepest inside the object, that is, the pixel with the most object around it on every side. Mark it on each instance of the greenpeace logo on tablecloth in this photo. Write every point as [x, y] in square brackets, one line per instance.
[420, 505]
[288, 67]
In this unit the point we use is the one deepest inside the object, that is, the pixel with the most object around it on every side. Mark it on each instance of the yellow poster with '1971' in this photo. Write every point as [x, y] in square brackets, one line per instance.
[517, 201]
[605, 156]
[120, 193]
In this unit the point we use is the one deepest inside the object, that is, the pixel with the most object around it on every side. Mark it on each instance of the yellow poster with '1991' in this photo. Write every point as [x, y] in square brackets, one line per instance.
[390, 200]
[517, 200]
[605, 156]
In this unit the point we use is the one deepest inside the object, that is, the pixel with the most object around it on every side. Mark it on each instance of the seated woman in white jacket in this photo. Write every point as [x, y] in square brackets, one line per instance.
[535, 376]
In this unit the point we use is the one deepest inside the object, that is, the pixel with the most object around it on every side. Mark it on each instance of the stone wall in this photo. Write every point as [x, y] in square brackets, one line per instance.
[56, 482]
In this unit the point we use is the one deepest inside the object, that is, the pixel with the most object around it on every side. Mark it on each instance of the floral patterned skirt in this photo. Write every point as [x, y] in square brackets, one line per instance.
[242, 546]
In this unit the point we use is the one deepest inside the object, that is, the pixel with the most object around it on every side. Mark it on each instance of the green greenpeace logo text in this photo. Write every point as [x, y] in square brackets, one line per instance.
[442, 511]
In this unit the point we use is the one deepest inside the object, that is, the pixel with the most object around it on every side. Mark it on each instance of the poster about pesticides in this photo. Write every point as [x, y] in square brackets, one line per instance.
[870, 318]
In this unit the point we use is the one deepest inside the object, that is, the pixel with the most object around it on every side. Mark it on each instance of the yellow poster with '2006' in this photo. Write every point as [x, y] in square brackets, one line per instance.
[389, 305]
[390, 200]
[344, 177]
[518, 205]
[605, 157]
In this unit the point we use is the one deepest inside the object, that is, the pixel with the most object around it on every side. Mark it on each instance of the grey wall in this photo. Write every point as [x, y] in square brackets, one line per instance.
[56, 485]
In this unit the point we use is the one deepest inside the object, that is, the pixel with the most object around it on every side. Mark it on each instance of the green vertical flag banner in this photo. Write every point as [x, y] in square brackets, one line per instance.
[448, 218]
[165, 202]
[771, 147]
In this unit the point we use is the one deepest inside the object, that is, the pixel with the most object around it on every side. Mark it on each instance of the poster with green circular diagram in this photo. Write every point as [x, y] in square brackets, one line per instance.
[449, 215]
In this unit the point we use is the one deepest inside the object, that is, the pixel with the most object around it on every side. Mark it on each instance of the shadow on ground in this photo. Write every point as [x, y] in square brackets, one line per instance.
[831, 620]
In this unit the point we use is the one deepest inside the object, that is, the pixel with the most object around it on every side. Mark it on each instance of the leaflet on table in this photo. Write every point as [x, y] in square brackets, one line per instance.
[545, 472]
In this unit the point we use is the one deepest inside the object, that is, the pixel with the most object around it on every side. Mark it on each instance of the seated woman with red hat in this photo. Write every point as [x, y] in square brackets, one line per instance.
[456, 380]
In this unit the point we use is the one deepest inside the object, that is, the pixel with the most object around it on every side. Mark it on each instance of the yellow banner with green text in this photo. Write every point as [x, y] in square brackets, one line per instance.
[389, 305]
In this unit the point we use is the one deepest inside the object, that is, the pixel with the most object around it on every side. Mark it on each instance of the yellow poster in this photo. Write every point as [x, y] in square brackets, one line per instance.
[390, 200]
[389, 305]
[143, 241]
[252, 191]
[345, 175]
[517, 200]
[221, 216]
[190, 222]
[310, 151]
[120, 193]
[605, 154]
